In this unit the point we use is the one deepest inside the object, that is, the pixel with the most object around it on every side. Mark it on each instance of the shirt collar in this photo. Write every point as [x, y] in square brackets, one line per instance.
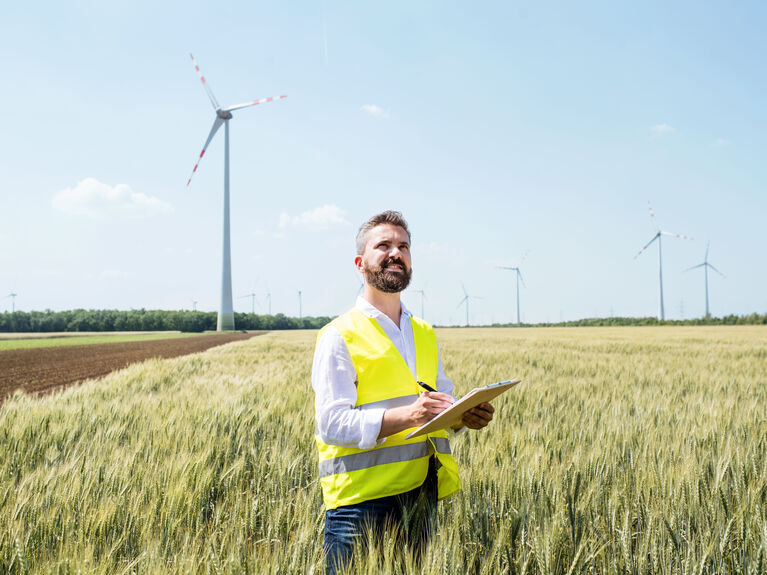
[373, 312]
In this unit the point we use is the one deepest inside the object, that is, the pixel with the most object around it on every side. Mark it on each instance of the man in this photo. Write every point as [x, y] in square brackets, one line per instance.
[367, 365]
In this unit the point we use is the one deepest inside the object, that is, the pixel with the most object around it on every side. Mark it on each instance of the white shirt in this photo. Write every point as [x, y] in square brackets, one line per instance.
[334, 380]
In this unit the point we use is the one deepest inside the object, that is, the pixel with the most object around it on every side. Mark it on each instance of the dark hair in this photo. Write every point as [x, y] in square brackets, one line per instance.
[387, 217]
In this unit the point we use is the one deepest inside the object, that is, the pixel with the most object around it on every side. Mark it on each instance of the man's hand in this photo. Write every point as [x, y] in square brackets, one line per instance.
[428, 405]
[478, 417]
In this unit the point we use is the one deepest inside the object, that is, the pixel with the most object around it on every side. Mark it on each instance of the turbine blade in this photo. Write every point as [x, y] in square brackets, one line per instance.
[652, 217]
[216, 125]
[205, 84]
[695, 267]
[655, 237]
[708, 245]
[716, 270]
[520, 277]
[673, 235]
[460, 303]
[253, 103]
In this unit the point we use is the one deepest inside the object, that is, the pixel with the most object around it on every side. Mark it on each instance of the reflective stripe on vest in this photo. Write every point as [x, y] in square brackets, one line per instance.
[384, 454]
[384, 381]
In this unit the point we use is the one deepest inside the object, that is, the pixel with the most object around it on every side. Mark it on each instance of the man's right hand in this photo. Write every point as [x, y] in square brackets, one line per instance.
[428, 405]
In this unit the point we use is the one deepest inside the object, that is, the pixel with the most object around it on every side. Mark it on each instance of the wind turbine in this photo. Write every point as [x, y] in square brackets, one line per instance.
[299, 305]
[223, 115]
[705, 265]
[269, 300]
[518, 274]
[252, 297]
[658, 234]
[465, 299]
[423, 295]
[194, 305]
[13, 301]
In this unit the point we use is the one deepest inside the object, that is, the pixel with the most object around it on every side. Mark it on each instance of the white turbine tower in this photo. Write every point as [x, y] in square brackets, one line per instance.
[466, 298]
[223, 115]
[518, 275]
[658, 234]
[705, 265]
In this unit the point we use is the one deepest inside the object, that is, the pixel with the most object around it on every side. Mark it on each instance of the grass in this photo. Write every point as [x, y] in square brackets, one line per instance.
[625, 450]
[67, 340]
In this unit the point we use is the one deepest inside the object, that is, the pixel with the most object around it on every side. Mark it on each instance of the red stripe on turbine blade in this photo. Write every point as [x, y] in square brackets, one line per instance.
[203, 79]
[195, 168]
[202, 153]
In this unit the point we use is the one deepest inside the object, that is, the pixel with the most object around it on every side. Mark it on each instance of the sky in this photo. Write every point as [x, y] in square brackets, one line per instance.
[528, 134]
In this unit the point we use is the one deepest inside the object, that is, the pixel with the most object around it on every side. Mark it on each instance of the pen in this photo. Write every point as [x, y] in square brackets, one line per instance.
[426, 386]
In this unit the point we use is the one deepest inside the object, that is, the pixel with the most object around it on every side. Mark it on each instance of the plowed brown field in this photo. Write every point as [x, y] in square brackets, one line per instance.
[45, 369]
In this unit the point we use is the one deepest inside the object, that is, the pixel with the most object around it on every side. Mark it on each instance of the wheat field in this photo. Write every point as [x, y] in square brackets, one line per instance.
[624, 450]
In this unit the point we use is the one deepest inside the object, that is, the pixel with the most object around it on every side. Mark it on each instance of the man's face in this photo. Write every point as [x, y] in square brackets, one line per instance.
[385, 262]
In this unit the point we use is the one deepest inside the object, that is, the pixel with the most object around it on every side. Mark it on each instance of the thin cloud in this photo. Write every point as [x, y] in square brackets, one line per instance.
[374, 110]
[662, 129]
[320, 218]
[94, 199]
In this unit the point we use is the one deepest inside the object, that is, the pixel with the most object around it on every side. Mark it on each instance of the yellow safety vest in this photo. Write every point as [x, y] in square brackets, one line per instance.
[349, 475]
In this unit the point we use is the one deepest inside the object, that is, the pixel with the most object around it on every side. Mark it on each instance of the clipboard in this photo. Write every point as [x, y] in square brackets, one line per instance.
[454, 413]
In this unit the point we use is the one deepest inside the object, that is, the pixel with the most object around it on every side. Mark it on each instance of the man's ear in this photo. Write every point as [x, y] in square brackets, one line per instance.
[358, 264]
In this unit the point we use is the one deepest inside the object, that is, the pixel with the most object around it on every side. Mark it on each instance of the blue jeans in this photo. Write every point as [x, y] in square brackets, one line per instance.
[413, 514]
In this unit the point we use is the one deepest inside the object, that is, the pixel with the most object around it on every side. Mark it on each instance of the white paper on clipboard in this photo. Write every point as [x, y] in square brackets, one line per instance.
[453, 414]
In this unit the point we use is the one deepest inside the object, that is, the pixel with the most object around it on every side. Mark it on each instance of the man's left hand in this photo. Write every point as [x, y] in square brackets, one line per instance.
[478, 417]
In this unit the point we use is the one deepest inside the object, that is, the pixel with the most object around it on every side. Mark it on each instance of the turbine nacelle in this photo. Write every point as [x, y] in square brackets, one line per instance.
[224, 114]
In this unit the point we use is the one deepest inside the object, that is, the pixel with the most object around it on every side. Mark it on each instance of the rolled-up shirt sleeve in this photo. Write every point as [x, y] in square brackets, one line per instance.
[334, 378]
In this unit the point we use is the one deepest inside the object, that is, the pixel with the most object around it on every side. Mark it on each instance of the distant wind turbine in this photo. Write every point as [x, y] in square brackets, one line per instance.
[423, 295]
[299, 305]
[13, 301]
[194, 305]
[252, 297]
[705, 265]
[658, 234]
[269, 300]
[466, 298]
[223, 115]
[518, 275]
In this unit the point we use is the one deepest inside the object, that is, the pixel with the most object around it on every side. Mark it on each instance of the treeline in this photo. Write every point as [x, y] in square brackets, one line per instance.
[751, 319]
[145, 320]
